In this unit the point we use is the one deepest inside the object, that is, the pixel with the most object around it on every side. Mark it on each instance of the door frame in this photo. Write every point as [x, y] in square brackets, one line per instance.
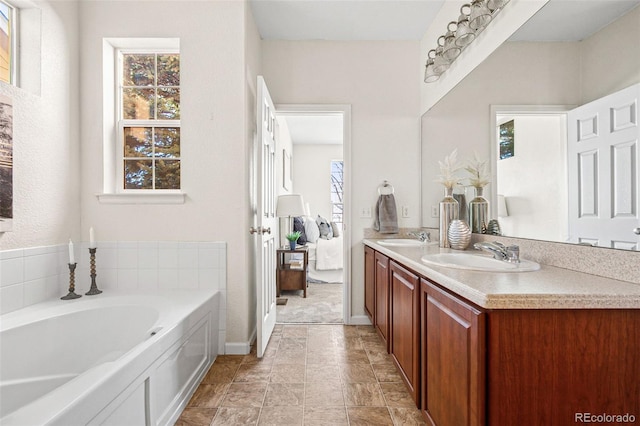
[493, 136]
[345, 110]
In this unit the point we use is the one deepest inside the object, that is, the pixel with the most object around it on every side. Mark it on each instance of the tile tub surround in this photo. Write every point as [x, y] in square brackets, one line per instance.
[33, 275]
[616, 264]
[310, 375]
[548, 288]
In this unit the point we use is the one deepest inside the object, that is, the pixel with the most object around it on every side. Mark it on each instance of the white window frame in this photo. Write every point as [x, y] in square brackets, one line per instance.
[122, 123]
[331, 188]
[14, 33]
[113, 154]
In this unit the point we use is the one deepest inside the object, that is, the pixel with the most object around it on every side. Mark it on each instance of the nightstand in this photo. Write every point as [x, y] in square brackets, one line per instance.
[288, 278]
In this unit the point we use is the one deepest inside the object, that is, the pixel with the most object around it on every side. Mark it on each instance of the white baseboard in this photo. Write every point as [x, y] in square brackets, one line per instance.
[240, 348]
[237, 348]
[359, 320]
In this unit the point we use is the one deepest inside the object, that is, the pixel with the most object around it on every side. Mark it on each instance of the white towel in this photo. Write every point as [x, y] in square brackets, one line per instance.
[386, 221]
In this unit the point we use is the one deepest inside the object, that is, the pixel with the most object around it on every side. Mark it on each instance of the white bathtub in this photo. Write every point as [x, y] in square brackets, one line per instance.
[113, 359]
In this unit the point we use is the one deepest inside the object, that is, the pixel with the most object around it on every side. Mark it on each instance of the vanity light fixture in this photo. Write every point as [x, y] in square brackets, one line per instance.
[474, 18]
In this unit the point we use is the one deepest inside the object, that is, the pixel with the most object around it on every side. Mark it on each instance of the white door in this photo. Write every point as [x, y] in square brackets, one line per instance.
[265, 229]
[603, 171]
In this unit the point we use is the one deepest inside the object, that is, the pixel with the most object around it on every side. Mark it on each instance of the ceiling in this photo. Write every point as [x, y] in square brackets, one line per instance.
[323, 129]
[344, 19]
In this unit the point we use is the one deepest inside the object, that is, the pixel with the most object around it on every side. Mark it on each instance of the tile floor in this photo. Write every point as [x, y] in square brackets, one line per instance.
[310, 375]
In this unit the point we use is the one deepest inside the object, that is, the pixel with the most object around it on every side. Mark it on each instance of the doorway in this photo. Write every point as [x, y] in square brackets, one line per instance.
[316, 164]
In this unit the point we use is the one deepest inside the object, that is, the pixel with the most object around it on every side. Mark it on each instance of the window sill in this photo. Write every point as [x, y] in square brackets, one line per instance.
[147, 198]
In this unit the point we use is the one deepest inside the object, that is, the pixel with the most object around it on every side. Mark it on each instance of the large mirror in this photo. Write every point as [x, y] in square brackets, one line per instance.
[571, 55]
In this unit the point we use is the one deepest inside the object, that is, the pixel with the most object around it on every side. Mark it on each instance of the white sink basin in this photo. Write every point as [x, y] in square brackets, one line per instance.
[406, 242]
[477, 262]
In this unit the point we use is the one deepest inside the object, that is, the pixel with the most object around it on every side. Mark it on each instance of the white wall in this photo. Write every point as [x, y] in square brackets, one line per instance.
[218, 63]
[378, 80]
[534, 180]
[611, 58]
[312, 175]
[45, 132]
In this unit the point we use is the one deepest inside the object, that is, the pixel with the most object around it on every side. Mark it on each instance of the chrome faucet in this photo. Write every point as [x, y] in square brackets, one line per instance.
[423, 236]
[500, 251]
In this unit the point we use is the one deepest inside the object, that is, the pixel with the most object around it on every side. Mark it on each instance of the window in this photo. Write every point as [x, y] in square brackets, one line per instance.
[337, 189]
[7, 42]
[149, 119]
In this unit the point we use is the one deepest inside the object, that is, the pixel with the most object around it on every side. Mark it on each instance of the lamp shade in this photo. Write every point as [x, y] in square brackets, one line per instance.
[290, 205]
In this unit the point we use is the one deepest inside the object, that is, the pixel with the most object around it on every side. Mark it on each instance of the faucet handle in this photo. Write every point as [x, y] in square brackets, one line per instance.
[513, 254]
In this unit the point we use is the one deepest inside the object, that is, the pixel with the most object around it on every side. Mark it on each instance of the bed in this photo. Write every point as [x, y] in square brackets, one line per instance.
[326, 253]
[326, 261]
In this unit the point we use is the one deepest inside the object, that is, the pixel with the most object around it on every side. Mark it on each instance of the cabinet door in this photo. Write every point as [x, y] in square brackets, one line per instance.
[405, 326]
[453, 359]
[369, 282]
[381, 318]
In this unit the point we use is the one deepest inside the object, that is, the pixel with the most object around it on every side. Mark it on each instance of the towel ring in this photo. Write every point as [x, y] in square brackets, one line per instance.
[385, 189]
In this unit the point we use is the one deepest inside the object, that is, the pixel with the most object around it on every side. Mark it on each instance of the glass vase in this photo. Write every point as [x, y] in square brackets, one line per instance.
[479, 213]
[449, 209]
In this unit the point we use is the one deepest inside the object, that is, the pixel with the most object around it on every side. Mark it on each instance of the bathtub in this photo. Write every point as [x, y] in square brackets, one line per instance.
[113, 359]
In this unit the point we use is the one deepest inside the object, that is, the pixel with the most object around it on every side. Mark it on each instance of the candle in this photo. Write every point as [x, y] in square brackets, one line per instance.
[92, 240]
[72, 258]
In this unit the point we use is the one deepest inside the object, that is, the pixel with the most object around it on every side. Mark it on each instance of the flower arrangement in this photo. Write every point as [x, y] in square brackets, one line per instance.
[479, 170]
[448, 169]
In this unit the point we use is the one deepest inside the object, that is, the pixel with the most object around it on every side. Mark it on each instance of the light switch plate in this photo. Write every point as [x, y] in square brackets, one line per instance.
[365, 212]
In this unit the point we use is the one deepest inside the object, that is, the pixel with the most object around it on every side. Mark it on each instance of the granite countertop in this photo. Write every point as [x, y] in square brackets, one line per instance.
[548, 288]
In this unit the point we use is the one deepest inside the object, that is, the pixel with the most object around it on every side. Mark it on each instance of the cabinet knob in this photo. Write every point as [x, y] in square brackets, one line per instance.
[636, 231]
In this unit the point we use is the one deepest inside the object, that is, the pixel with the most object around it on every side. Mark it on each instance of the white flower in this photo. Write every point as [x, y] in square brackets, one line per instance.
[448, 169]
[480, 173]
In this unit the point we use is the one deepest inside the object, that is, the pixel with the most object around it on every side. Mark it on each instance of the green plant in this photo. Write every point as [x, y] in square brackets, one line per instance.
[293, 236]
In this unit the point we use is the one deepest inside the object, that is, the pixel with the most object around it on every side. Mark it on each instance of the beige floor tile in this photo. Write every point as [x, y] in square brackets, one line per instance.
[325, 416]
[357, 373]
[208, 395]
[288, 373]
[284, 394]
[295, 331]
[221, 373]
[322, 373]
[363, 394]
[196, 417]
[310, 374]
[369, 416]
[386, 372]
[287, 356]
[323, 394]
[354, 356]
[292, 344]
[236, 416]
[253, 373]
[244, 395]
[281, 416]
[406, 416]
[397, 395]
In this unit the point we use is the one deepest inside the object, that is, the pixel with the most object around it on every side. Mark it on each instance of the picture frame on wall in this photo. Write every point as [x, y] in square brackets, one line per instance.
[6, 163]
[506, 139]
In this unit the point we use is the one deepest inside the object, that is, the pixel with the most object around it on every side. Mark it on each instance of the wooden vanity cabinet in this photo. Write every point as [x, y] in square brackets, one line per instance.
[381, 315]
[452, 359]
[405, 326]
[369, 282]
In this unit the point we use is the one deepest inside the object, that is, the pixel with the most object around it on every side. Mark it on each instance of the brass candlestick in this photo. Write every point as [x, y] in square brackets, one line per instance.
[72, 283]
[94, 287]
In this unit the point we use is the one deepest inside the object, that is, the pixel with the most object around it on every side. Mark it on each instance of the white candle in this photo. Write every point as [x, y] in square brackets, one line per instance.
[72, 258]
[92, 240]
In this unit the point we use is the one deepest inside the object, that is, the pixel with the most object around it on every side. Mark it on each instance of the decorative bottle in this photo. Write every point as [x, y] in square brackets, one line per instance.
[448, 211]
[479, 212]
